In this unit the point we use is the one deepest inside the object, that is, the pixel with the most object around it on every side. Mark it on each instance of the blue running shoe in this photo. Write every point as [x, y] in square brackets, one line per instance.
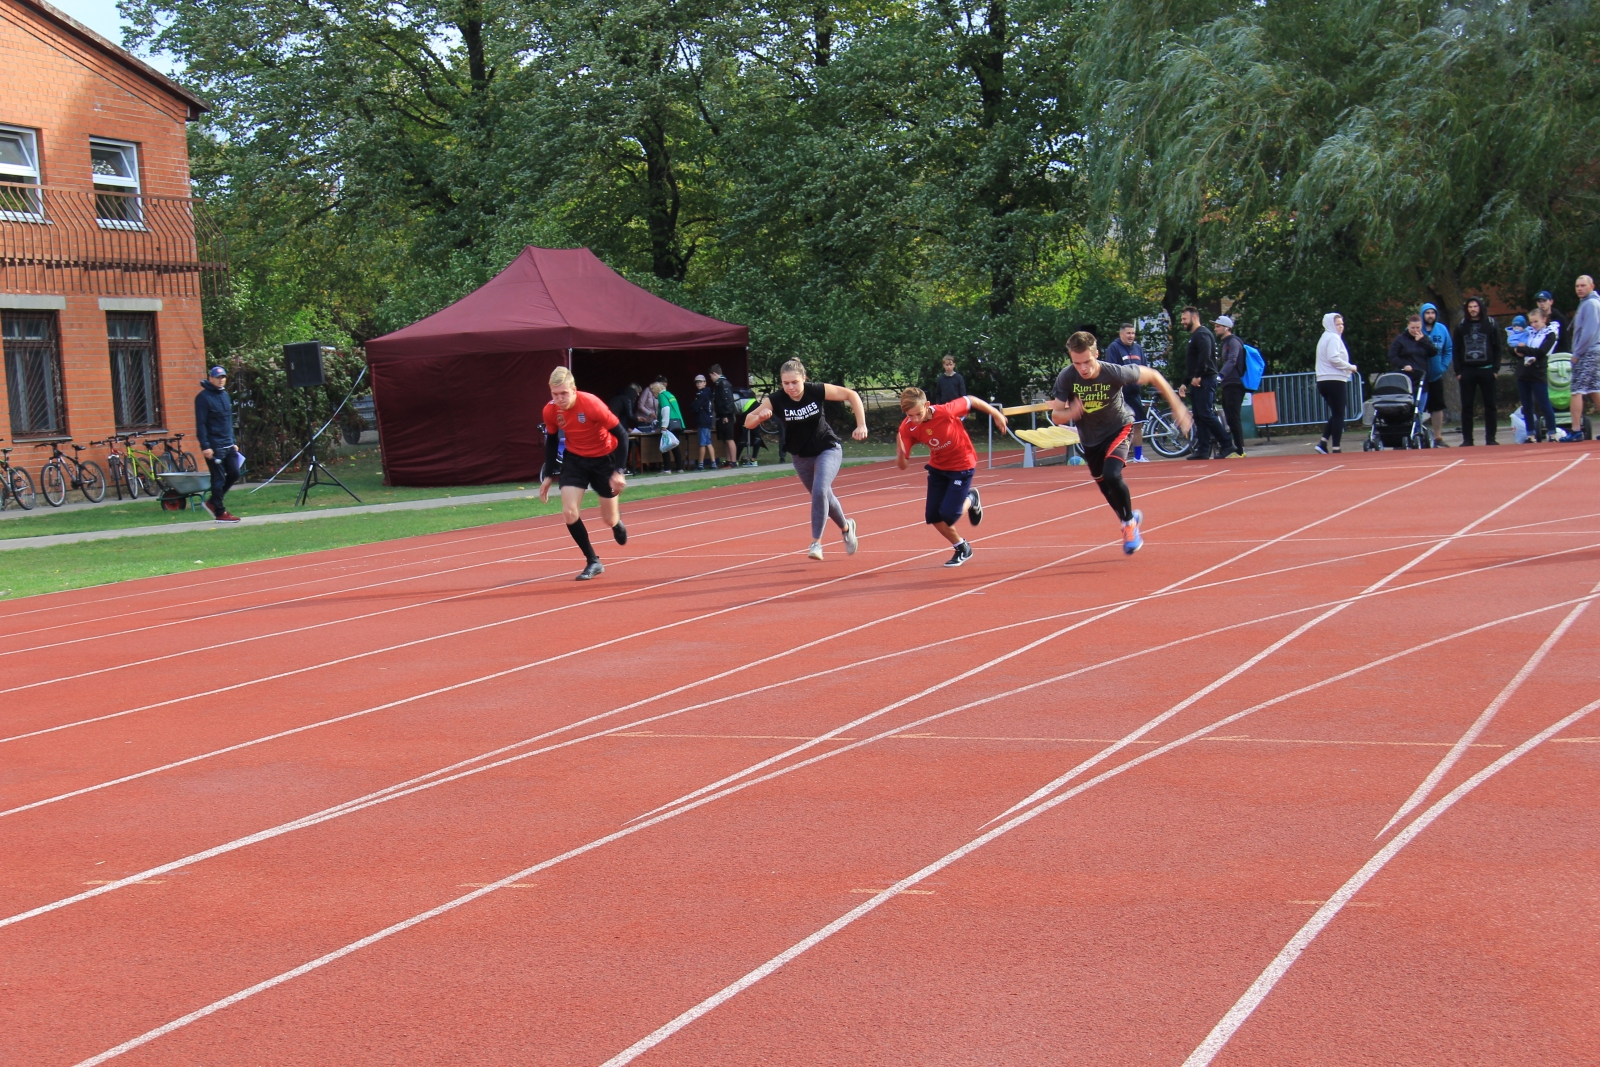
[1132, 540]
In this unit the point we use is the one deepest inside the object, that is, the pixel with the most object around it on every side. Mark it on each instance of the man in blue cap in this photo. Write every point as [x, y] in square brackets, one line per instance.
[1553, 319]
[213, 423]
[1433, 402]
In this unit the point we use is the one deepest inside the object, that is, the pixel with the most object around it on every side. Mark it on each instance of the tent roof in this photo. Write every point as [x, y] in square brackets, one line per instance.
[556, 298]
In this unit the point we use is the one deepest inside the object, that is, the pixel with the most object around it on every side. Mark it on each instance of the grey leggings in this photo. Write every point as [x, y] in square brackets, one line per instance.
[817, 473]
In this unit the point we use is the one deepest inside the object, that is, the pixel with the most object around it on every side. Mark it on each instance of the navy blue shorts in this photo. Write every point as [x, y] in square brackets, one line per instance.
[1135, 401]
[947, 495]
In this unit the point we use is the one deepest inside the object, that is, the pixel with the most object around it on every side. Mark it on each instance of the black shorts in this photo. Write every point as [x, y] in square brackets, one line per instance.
[1096, 456]
[947, 495]
[1434, 401]
[1135, 401]
[727, 428]
[586, 472]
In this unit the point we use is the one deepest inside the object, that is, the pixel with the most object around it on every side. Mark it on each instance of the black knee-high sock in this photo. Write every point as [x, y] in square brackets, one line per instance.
[1115, 490]
[580, 534]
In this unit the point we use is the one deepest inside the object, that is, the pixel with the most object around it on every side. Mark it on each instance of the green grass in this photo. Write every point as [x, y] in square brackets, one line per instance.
[360, 470]
[30, 571]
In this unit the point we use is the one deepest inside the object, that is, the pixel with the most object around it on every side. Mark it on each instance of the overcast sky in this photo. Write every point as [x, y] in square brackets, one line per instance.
[101, 17]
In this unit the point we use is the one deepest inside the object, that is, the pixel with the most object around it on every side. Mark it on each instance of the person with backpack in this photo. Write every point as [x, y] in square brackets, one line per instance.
[724, 409]
[1200, 386]
[1231, 349]
[1479, 350]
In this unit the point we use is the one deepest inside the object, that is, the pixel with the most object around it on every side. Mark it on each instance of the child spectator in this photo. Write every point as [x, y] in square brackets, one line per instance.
[705, 420]
[1517, 332]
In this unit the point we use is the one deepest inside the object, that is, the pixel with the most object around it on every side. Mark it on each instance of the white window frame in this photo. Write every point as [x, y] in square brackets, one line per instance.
[14, 175]
[117, 183]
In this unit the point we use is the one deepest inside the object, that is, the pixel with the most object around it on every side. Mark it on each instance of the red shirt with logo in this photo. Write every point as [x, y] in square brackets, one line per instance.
[949, 447]
[586, 424]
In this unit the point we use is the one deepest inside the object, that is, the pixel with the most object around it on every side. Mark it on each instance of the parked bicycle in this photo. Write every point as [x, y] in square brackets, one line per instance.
[15, 483]
[144, 463]
[1161, 431]
[117, 467]
[61, 471]
[175, 458]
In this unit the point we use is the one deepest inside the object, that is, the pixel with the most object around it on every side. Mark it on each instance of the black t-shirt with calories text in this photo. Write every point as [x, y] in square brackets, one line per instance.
[805, 426]
[1105, 413]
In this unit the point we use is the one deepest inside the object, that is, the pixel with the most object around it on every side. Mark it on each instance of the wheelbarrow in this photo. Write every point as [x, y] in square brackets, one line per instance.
[181, 489]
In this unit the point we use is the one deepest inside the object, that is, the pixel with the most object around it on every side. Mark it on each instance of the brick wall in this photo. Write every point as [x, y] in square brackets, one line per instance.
[69, 88]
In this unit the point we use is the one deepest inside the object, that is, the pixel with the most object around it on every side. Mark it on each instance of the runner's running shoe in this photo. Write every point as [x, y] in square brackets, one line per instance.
[974, 512]
[850, 541]
[620, 532]
[1132, 540]
[815, 551]
[962, 554]
[593, 570]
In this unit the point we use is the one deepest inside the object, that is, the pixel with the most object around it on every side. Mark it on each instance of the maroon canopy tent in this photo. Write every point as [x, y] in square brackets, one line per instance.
[459, 394]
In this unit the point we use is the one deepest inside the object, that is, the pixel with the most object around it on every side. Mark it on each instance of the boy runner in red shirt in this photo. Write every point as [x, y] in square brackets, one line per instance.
[596, 455]
[951, 462]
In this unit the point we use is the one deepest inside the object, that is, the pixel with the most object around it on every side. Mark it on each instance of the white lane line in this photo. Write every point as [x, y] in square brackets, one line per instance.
[559, 544]
[638, 827]
[1275, 646]
[732, 990]
[492, 532]
[982, 667]
[1482, 722]
[456, 771]
[520, 557]
[1230, 1023]
[436, 637]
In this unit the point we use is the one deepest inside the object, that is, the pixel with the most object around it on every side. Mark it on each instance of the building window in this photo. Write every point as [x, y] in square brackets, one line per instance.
[19, 175]
[135, 386]
[116, 185]
[33, 373]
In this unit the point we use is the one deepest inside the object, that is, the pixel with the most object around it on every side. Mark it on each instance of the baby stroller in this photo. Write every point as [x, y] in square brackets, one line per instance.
[1396, 414]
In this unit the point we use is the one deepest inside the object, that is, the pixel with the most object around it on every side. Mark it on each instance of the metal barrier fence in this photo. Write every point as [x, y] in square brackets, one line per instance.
[1300, 405]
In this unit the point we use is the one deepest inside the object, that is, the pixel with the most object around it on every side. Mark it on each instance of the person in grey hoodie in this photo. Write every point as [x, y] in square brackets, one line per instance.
[1585, 353]
[1480, 346]
[1433, 402]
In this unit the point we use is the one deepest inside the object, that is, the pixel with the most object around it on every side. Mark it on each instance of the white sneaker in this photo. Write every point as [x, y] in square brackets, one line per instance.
[850, 542]
[816, 550]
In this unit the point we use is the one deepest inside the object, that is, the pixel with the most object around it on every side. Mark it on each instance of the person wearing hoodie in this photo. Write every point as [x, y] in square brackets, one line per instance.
[1585, 353]
[1479, 350]
[1433, 403]
[1200, 385]
[1333, 379]
[1232, 372]
[1531, 359]
[1411, 351]
[213, 424]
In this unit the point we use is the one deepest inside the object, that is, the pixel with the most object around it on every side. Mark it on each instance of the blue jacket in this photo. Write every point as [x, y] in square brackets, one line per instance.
[1442, 351]
[213, 417]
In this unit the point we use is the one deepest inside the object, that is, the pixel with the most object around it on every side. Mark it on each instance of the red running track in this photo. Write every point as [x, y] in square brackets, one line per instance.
[430, 802]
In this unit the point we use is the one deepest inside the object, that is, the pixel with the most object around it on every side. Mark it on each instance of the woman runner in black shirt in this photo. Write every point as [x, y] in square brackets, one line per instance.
[807, 436]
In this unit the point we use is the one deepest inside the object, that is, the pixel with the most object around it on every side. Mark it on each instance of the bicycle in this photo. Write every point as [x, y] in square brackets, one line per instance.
[84, 475]
[143, 466]
[117, 466]
[15, 483]
[1161, 431]
[175, 458]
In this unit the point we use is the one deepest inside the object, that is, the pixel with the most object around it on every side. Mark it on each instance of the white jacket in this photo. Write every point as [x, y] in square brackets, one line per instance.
[1333, 358]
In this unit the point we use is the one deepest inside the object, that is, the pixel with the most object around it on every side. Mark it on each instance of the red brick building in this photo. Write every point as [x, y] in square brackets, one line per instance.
[102, 255]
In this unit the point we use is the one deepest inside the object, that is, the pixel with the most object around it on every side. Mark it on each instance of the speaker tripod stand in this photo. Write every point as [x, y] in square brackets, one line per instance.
[317, 473]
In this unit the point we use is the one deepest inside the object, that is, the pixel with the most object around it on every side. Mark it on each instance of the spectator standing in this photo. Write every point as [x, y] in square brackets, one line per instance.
[1333, 379]
[705, 421]
[1200, 386]
[1585, 353]
[1125, 352]
[670, 417]
[1411, 351]
[1231, 350]
[725, 407]
[213, 422]
[1553, 319]
[1479, 350]
[648, 409]
[1531, 359]
[622, 406]
[1433, 403]
[951, 385]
